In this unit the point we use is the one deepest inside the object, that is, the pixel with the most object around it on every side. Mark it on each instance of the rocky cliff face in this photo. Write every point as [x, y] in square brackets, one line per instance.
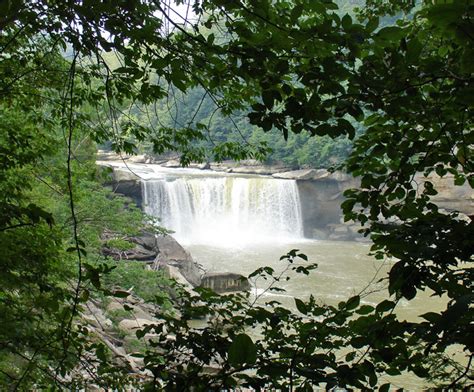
[114, 322]
[322, 194]
[126, 183]
[450, 197]
[320, 202]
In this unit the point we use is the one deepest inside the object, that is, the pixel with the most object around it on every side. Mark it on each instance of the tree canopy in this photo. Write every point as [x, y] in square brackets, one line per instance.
[299, 66]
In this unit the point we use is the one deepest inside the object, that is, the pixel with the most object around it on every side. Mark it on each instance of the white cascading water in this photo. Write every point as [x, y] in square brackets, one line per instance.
[226, 211]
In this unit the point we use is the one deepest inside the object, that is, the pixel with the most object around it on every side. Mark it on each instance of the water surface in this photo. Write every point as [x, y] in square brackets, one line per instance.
[344, 269]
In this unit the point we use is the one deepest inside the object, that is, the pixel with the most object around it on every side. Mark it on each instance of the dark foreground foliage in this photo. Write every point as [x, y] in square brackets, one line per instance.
[301, 67]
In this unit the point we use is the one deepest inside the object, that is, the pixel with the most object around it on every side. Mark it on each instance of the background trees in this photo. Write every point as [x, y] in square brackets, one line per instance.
[301, 67]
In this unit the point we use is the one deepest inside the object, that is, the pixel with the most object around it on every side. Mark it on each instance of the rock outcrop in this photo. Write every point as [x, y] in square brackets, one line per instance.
[172, 254]
[304, 174]
[126, 183]
[320, 200]
[321, 195]
[450, 197]
[249, 166]
[160, 251]
[144, 247]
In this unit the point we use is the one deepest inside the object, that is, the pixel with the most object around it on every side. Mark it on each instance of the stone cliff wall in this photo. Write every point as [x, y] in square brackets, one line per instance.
[321, 196]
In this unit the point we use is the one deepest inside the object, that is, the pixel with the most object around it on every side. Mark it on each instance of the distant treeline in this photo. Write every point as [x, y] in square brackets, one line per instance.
[196, 108]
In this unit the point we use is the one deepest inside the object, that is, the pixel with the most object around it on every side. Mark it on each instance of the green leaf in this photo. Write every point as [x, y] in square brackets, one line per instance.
[267, 98]
[351, 356]
[385, 306]
[346, 22]
[303, 256]
[391, 33]
[330, 5]
[242, 351]
[431, 317]
[296, 12]
[372, 24]
[385, 387]
[353, 302]
[101, 352]
[301, 306]
[365, 309]
[85, 295]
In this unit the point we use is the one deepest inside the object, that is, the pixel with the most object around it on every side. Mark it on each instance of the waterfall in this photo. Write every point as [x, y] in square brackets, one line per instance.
[225, 210]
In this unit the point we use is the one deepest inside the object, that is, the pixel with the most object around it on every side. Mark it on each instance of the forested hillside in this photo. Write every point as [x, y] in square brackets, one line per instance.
[299, 150]
[392, 104]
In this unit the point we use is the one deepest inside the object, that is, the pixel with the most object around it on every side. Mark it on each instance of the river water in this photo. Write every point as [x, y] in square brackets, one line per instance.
[344, 269]
[237, 224]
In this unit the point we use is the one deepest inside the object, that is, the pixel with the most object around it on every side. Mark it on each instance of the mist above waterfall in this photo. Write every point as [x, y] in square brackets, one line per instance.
[226, 210]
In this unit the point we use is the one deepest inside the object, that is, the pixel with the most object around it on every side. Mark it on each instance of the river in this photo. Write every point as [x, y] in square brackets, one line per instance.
[344, 269]
[237, 224]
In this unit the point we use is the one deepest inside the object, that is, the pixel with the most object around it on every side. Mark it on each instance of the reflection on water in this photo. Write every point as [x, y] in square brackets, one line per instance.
[344, 269]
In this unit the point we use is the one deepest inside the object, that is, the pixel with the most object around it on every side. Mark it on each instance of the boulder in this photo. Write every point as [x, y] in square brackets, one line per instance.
[124, 175]
[138, 253]
[171, 250]
[172, 163]
[95, 318]
[126, 183]
[223, 282]
[163, 251]
[200, 166]
[115, 305]
[131, 325]
[141, 310]
[137, 159]
[145, 249]
[174, 273]
[173, 254]
[147, 240]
